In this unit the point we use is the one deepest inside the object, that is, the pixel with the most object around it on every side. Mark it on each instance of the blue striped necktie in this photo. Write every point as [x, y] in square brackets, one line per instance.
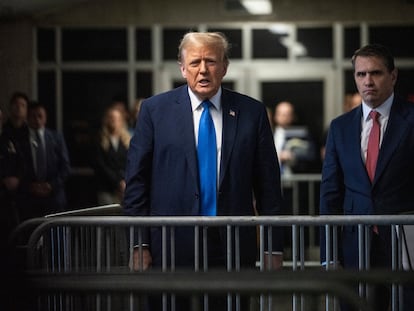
[207, 161]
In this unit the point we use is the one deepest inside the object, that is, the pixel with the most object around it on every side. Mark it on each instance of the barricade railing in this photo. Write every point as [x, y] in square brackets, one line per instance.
[301, 193]
[66, 253]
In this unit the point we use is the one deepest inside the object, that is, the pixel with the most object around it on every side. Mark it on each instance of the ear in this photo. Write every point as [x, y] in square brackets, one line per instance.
[394, 75]
[225, 69]
[183, 71]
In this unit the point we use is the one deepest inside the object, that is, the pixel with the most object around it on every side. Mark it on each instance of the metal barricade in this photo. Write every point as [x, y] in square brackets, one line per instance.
[82, 263]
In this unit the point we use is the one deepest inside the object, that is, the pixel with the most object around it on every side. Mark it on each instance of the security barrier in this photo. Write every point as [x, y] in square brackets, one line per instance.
[82, 263]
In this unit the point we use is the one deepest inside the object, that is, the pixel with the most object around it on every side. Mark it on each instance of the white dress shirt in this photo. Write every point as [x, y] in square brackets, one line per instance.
[34, 145]
[384, 110]
[216, 115]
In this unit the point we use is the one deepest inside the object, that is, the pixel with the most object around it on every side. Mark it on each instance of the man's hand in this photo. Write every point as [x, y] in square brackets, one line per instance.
[11, 183]
[276, 261]
[137, 255]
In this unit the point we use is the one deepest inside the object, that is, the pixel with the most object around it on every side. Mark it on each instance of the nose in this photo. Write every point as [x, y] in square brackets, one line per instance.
[368, 79]
[203, 66]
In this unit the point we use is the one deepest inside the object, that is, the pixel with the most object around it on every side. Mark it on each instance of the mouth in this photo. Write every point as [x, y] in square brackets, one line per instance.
[369, 92]
[204, 82]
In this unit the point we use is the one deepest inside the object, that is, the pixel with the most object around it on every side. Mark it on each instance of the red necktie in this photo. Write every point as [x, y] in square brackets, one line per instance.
[373, 144]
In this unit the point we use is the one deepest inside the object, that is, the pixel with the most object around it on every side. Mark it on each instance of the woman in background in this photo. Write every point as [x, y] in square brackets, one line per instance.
[110, 160]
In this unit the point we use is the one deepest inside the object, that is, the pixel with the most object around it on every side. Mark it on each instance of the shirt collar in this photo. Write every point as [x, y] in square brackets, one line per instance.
[41, 131]
[383, 109]
[195, 101]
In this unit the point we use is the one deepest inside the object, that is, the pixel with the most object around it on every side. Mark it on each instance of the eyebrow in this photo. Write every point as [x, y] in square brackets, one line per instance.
[376, 71]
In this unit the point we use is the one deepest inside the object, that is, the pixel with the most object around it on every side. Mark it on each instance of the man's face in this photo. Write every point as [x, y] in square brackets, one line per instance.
[204, 68]
[37, 118]
[18, 109]
[373, 80]
[284, 115]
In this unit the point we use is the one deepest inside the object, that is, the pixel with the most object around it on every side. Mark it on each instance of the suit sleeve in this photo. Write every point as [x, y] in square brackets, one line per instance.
[138, 170]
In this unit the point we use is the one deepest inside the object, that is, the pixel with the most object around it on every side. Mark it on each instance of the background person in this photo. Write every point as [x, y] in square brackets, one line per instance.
[45, 193]
[13, 147]
[111, 157]
[294, 145]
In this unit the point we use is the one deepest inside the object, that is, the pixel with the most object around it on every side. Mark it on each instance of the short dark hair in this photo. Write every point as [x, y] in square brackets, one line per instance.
[34, 104]
[376, 50]
[17, 95]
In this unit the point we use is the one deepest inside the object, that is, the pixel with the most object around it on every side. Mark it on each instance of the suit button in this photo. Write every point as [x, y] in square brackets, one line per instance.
[197, 196]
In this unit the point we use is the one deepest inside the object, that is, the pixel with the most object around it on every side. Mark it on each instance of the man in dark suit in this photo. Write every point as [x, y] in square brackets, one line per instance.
[162, 174]
[43, 192]
[348, 187]
[12, 142]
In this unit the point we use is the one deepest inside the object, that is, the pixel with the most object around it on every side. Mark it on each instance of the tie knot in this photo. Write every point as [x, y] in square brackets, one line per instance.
[206, 104]
[374, 115]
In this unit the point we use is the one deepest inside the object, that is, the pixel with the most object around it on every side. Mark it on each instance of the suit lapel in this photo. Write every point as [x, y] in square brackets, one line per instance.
[354, 142]
[230, 117]
[185, 128]
[396, 127]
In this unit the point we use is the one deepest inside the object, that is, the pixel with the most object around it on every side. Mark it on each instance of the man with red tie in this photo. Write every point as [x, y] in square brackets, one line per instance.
[368, 165]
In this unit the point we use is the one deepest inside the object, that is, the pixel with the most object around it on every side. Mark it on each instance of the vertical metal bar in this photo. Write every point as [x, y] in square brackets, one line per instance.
[269, 247]
[335, 247]
[237, 247]
[172, 241]
[237, 259]
[164, 248]
[131, 301]
[98, 261]
[394, 266]
[76, 248]
[98, 249]
[229, 250]
[400, 239]
[335, 257]
[311, 203]
[294, 261]
[361, 253]
[327, 246]
[164, 262]
[172, 261]
[327, 260]
[269, 261]
[302, 259]
[140, 250]
[261, 261]
[205, 261]
[261, 247]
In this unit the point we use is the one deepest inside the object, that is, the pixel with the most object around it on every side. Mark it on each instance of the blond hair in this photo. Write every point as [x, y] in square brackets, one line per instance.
[215, 39]
[105, 134]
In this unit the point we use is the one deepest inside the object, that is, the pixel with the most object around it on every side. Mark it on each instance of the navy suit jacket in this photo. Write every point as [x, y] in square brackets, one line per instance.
[162, 171]
[16, 160]
[346, 188]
